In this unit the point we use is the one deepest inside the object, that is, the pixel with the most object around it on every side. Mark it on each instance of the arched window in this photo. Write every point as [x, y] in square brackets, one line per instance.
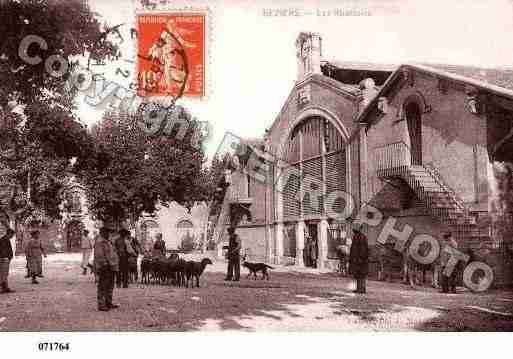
[414, 123]
[148, 229]
[315, 146]
[185, 223]
[75, 202]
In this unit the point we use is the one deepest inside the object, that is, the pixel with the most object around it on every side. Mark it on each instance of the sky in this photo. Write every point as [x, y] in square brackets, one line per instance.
[251, 65]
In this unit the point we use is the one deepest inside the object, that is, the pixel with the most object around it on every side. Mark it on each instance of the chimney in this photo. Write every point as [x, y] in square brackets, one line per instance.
[308, 54]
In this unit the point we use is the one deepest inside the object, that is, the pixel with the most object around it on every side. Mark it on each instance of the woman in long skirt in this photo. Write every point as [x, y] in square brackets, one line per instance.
[34, 253]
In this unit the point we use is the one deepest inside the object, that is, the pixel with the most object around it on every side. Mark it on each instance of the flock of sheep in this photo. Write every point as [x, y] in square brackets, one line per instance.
[171, 270]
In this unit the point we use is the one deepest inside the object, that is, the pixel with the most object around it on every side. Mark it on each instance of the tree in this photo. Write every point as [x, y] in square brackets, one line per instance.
[39, 134]
[36, 149]
[132, 173]
[68, 28]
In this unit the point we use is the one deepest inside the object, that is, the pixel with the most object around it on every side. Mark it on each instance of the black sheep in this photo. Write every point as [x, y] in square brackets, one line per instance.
[195, 269]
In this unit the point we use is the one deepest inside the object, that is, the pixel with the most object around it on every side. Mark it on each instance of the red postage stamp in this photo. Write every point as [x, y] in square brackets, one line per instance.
[171, 54]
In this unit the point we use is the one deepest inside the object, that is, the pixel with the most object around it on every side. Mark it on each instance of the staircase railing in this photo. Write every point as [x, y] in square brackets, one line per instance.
[221, 219]
[431, 169]
[392, 159]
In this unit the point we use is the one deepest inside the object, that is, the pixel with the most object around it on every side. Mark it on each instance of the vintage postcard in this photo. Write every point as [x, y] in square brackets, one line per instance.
[235, 166]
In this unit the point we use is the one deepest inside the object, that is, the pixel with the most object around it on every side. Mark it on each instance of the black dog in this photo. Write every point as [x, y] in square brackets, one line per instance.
[257, 267]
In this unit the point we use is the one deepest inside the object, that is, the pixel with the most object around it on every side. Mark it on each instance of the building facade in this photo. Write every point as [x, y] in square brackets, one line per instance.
[417, 143]
[176, 224]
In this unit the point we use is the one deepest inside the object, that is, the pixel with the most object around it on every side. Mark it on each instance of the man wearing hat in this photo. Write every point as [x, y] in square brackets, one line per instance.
[6, 254]
[106, 264]
[159, 248]
[234, 247]
[448, 281]
[359, 258]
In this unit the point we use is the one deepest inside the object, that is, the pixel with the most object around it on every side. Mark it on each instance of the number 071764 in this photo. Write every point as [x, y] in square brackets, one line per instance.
[53, 346]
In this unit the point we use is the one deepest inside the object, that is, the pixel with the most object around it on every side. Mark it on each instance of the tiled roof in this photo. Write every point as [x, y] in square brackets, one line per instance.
[496, 81]
[502, 77]
[367, 66]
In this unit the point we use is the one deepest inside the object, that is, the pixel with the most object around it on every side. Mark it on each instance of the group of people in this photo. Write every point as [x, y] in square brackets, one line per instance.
[114, 254]
[34, 253]
[359, 262]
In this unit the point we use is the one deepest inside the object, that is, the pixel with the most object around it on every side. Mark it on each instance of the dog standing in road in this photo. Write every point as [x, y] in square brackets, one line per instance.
[256, 267]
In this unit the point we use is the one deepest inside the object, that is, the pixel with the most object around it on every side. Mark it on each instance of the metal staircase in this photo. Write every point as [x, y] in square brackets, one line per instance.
[394, 161]
[220, 218]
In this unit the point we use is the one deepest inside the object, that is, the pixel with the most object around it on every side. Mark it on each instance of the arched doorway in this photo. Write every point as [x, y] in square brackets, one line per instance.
[318, 168]
[315, 150]
[185, 232]
[414, 122]
[74, 230]
[149, 229]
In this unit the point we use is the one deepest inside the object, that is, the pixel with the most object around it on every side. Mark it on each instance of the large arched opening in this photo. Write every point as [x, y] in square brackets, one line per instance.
[316, 165]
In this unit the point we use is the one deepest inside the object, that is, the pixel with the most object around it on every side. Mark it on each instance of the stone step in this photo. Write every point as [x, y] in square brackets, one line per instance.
[422, 177]
[417, 168]
[434, 189]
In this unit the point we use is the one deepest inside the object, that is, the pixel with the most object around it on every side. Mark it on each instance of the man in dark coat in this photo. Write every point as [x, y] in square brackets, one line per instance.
[234, 247]
[6, 254]
[159, 248]
[448, 281]
[359, 259]
[106, 264]
[123, 254]
[306, 252]
[313, 253]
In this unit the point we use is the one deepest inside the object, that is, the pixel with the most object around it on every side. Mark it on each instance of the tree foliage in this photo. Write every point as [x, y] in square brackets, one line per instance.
[39, 134]
[69, 29]
[132, 173]
[36, 148]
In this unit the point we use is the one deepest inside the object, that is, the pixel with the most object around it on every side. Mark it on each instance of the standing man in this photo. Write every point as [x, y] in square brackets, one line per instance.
[159, 248]
[34, 253]
[306, 251]
[313, 253]
[234, 247]
[87, 245]
[448, 279]
[106, 264]
[123, 253]
[132, 261]
[6, 254]
[359, 259]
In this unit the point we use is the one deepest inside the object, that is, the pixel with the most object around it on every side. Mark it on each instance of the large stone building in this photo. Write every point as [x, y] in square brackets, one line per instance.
[415, 142]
